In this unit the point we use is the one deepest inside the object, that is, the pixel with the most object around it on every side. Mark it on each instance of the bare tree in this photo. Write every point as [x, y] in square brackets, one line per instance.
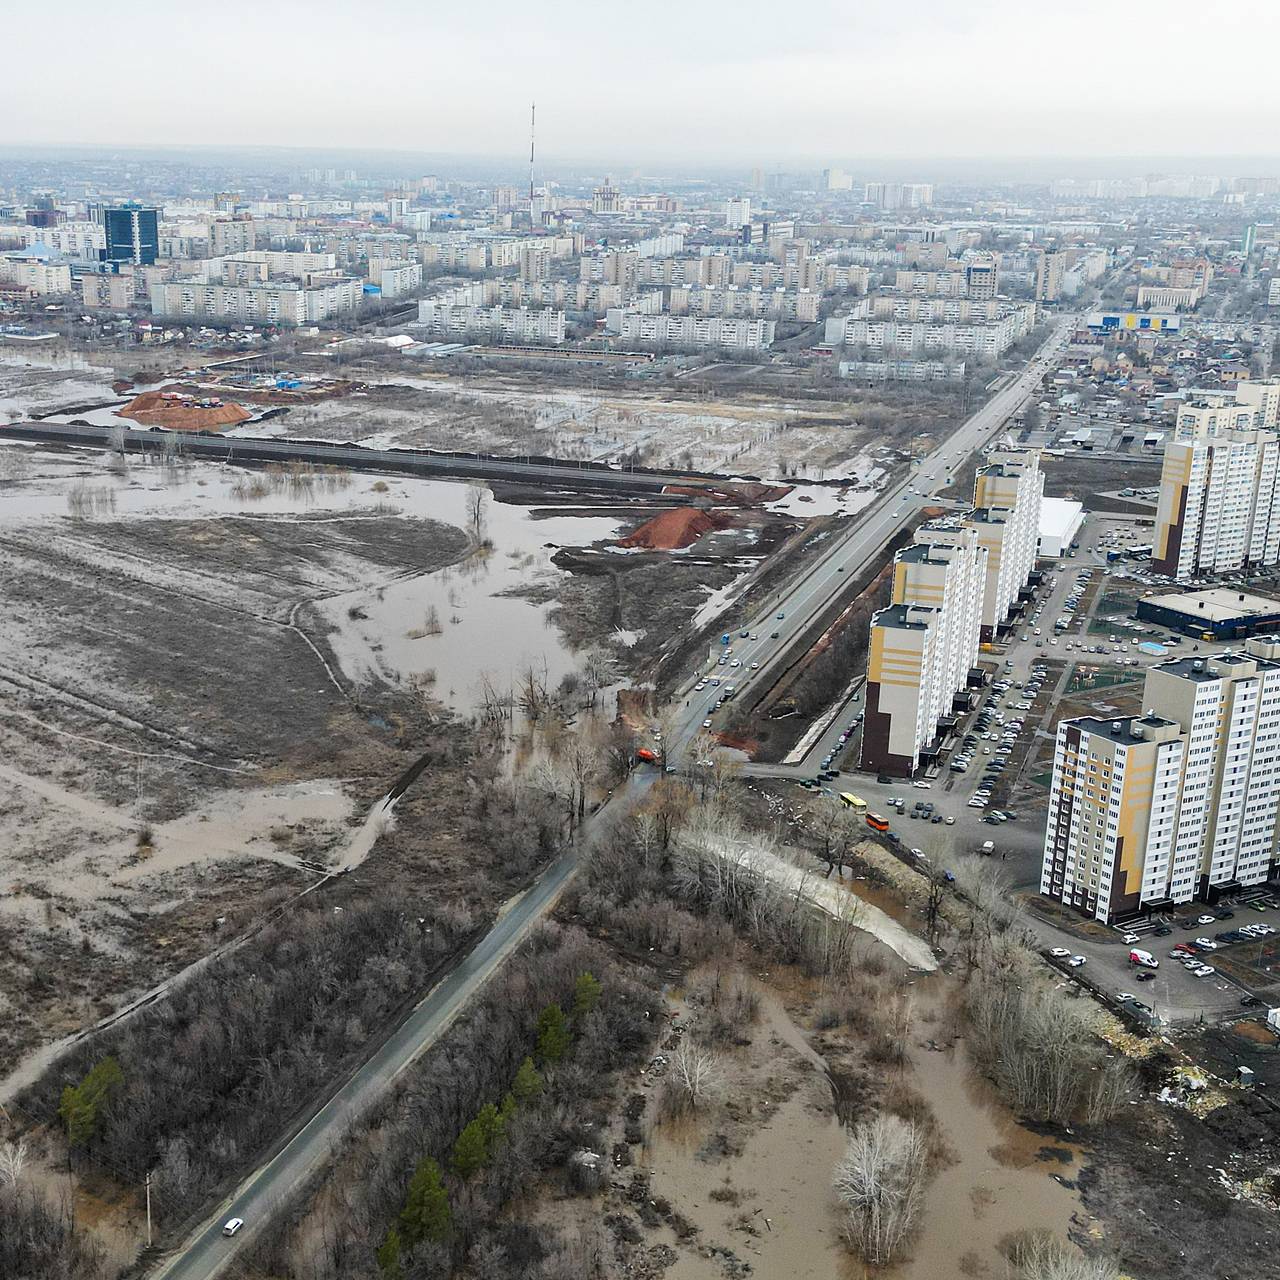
[13, 1155]
[695, 1077]
[838, 831]
[880, 1182]
[477, 498]
[1040, 1256]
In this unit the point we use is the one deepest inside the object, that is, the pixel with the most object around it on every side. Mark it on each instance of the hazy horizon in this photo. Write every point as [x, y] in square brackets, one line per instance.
[720, 84]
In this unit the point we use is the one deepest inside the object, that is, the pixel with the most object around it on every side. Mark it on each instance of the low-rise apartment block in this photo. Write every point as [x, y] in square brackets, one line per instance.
[394, 277]
[691, 331]
[493, 324]
[34, 276]
[271, 303]
[984, 334]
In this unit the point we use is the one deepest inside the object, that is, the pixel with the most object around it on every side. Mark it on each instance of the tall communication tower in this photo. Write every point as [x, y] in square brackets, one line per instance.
[533, 108]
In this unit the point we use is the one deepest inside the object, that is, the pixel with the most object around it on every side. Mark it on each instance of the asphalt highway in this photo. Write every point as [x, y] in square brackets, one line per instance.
[207, 1252]
[805, 597]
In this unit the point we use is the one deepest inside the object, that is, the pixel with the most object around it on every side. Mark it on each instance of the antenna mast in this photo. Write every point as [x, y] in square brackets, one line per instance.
[533, 107]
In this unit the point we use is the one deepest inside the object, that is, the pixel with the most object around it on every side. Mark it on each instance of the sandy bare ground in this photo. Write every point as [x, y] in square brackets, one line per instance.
[748, 435]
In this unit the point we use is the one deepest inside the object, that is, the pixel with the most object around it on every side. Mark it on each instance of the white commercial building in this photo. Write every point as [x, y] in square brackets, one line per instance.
[1060, 521]
[277, 303]
[1151, 811]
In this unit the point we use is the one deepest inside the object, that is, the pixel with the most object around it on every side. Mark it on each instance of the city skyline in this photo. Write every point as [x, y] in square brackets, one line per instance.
[733, 90]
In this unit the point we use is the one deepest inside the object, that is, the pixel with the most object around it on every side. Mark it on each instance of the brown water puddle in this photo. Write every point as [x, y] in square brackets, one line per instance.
[997, 1182]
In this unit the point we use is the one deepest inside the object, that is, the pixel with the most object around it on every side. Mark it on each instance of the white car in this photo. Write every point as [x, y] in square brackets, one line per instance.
[1059, 953]
[949, 820]
[1206, 944]
[1131, 937]
[1076, 961]
[232, 1225]
[706, 724]
[1206, 920]
[924, 786]
[1125, 996]
[1204, 970]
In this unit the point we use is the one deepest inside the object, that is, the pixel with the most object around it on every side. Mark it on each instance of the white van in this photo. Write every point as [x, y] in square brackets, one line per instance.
[1144, 959]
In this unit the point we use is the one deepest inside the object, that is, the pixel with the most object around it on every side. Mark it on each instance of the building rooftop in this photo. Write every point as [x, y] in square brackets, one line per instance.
[1218, 604]
[908, 617]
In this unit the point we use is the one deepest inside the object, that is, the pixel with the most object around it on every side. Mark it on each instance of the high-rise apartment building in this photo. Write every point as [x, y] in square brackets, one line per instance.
[1050, 268]
[982, 276]
[1146, 812]
[1219, 506]
[1007, 494]
[737, 213]
[132, 233]
[923, 646]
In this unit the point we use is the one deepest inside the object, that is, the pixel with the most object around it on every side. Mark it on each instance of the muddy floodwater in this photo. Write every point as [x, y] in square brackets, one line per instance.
[456, 626]
[999, 1177]
[444, 630]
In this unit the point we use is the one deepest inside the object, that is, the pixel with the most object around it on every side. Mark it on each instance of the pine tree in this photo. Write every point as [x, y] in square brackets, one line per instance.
[426, 1214]
[586, 995]
[553, 1034]
[527, 1084]
[493, 1126]
[82, 1104]
[388, 1256]
[471, 1151]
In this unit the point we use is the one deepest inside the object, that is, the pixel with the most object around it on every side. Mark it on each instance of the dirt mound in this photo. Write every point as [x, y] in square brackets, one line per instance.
[180, 411]
[744, 493]
[680, 527]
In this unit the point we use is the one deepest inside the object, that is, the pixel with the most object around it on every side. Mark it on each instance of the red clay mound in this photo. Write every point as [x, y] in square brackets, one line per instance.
[181, 412]
[681, 527]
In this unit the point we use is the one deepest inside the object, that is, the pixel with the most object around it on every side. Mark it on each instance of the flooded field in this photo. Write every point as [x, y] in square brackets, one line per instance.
[1001, 1177]
[382, 628]
[759, 1185]
[452, 628]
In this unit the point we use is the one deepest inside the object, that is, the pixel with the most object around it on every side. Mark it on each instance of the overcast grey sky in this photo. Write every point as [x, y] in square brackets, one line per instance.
[735, 81]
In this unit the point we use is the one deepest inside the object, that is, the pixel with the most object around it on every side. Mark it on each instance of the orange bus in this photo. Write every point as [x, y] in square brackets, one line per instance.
[877, 823]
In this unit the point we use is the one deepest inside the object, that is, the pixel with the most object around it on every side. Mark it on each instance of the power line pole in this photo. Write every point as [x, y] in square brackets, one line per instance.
[148, 1208]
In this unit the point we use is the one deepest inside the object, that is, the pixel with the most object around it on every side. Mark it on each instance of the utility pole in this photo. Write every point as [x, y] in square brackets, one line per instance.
[148, 1208]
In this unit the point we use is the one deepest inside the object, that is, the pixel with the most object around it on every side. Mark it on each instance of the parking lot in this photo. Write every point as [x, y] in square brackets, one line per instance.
[1240, 980]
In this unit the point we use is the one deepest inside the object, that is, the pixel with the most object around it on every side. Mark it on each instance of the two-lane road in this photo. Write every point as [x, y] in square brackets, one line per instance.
[207, 1252]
